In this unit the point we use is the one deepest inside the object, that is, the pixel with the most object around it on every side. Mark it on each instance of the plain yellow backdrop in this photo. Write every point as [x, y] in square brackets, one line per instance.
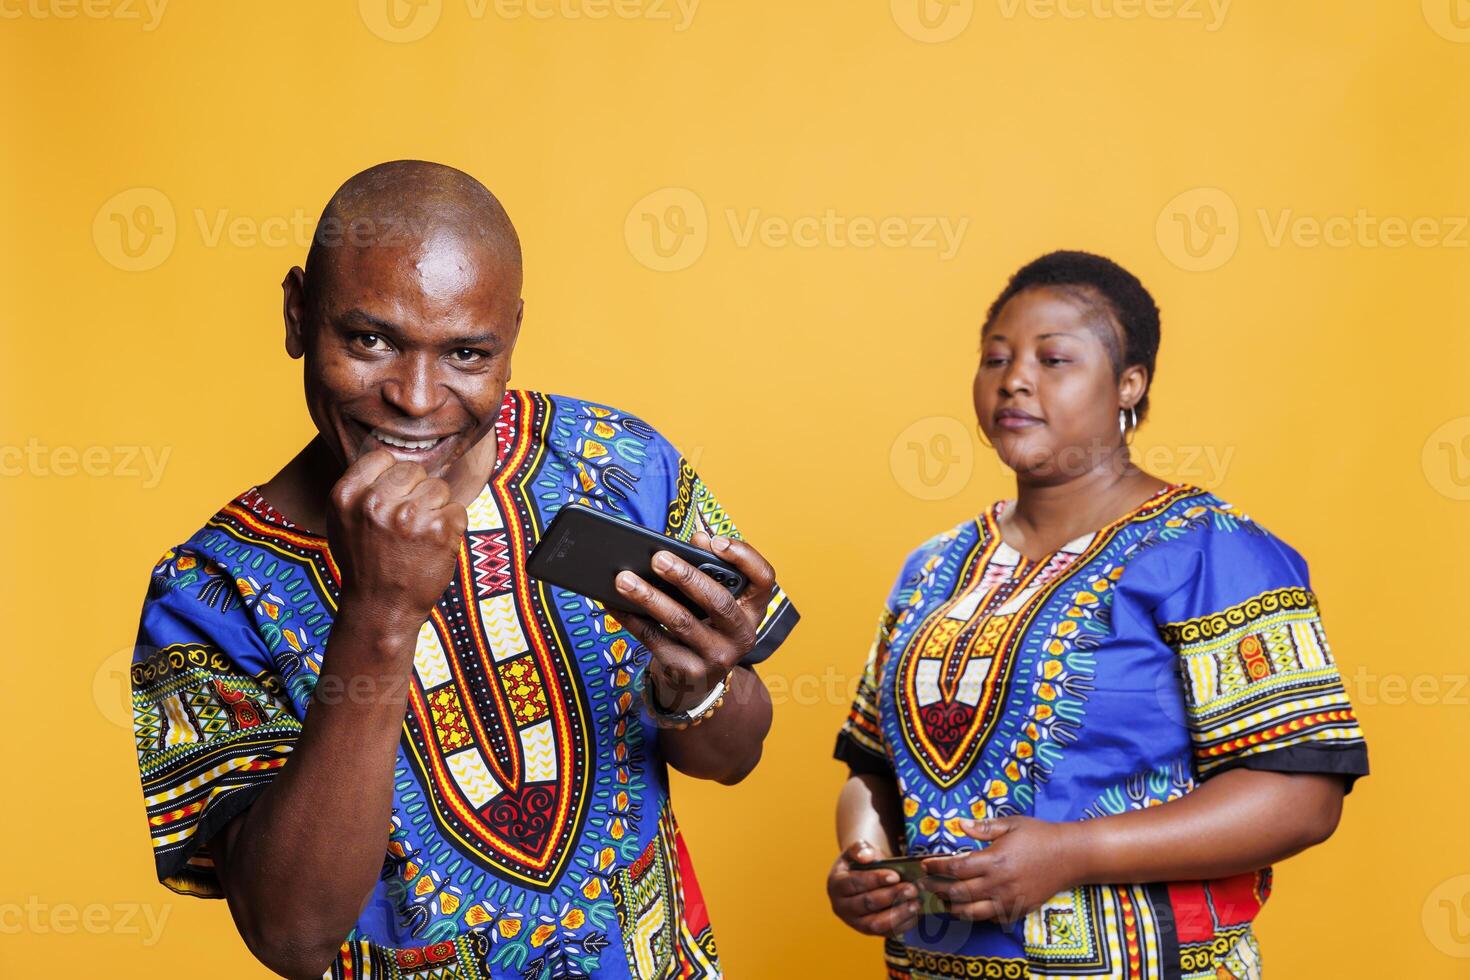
[771, 228]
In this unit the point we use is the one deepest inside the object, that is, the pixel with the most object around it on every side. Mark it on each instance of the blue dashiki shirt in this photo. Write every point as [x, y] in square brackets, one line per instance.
[1178, 642]
[531, 834]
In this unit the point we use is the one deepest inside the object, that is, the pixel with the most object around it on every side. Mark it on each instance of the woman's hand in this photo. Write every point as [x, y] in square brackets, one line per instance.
[875, 903]
[1028, 861]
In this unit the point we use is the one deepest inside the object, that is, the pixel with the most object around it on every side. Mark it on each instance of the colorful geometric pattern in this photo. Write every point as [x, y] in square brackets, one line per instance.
[530, 819]
[1115, 674]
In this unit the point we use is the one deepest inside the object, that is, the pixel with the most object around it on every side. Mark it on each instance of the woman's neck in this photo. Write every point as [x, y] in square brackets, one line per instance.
[1047, 516]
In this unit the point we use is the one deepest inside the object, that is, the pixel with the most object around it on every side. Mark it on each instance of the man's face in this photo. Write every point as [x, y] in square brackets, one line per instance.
[408, 347]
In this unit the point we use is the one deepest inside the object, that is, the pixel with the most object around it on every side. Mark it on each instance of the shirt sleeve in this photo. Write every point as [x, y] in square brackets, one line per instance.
[672, 498]
[1261, 687]
[209, 715]
[860, 741]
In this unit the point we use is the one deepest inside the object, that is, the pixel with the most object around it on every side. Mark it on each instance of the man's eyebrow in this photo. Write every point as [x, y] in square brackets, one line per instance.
[367, 319]
[475, 340]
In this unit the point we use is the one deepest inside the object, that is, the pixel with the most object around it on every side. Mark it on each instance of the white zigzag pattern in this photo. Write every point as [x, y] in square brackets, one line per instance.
[539, 751]
[429, 661]
[473, 776]
[502, 627]
[483, 514]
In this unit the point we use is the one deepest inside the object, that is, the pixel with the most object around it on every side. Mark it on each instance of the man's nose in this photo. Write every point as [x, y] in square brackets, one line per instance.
[413, 389]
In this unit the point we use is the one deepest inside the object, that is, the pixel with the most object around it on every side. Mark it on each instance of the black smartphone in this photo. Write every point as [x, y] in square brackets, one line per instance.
[584, 549]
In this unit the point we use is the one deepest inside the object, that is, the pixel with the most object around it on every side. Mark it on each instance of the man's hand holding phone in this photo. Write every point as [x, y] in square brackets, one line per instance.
[689, 655]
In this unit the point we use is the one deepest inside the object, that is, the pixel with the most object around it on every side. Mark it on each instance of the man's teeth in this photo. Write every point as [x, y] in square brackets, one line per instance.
[415, 444]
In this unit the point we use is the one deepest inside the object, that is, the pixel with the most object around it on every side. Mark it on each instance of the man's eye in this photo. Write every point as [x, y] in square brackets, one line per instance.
[469, 355]
[371, 341]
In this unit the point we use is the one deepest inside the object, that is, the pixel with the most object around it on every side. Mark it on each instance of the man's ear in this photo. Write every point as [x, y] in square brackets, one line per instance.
[514, 336]
[293, 311]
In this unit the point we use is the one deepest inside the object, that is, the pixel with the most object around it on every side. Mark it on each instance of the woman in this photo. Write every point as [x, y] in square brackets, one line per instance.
[1107, 707]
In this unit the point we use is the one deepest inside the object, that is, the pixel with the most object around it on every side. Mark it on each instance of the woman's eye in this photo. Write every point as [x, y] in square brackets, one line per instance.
[993, 361]
[1053, 361]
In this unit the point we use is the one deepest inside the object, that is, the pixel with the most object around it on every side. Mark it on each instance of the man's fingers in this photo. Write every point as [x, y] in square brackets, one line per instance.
[682, 625]
[430, 495]
[725, 614]
[361, 475]
[400, 479]
[760, 577]
[676, 671]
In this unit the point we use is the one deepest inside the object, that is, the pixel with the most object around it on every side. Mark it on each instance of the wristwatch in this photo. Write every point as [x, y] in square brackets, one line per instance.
[690, 716]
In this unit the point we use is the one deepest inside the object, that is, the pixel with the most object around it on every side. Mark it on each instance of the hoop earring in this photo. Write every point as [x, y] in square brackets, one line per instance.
[1127, 423]
[980, 434]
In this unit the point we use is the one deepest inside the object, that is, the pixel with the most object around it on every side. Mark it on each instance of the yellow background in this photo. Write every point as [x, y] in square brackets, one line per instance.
[822, 389]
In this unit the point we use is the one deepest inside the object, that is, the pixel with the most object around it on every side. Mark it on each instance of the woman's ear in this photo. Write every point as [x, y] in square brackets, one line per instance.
[293, 311]
[1132, 384]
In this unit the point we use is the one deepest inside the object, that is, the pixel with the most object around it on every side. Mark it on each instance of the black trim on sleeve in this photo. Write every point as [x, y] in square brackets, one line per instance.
[859, 760]
[774, 634]
[1348, 761]
[219, 813]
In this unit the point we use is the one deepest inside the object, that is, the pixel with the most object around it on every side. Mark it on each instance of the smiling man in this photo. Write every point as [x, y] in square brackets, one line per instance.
[362, 723]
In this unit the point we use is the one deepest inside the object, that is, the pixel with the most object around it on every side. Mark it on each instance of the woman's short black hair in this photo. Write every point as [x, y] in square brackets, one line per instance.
[1108, 288]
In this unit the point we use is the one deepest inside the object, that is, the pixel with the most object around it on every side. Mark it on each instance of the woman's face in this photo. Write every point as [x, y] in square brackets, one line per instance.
[1046, 393]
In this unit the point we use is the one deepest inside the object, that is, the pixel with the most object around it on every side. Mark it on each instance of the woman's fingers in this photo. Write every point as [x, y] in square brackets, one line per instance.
[892, 922]
[984, 910]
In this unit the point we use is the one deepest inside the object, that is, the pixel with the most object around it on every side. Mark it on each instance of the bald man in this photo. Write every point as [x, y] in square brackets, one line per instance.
[361, 721]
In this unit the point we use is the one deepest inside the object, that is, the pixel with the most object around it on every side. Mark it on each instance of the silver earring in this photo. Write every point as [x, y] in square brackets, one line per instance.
[1127, 422]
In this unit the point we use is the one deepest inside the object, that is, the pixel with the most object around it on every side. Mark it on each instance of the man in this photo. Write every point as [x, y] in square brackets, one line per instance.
[362, 723]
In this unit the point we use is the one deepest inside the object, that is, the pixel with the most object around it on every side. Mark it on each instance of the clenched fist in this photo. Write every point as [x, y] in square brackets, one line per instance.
[395, 533]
